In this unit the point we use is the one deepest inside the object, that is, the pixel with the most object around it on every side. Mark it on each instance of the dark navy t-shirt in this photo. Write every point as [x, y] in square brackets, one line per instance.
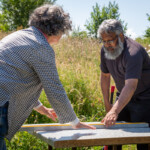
[133, 63]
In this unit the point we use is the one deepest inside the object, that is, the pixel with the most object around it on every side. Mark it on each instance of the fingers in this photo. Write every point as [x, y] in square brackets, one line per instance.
[87, 126]
[109, 123]
[51, 114]
[109, 119]
[103, 120]
[91, 127]
[83, 125]
[54, 114]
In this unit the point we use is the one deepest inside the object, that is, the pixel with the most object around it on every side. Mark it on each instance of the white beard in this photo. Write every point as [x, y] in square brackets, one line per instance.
[116, 52]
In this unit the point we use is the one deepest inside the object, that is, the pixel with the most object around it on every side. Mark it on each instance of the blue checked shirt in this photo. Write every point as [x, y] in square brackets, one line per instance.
[27, 64]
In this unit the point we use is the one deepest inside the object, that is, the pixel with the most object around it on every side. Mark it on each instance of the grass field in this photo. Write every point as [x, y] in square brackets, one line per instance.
[78, 67]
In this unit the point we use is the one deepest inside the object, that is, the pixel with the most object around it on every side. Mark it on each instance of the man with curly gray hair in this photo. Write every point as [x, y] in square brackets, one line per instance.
[27, 65]
[52, 20]
[129, 64]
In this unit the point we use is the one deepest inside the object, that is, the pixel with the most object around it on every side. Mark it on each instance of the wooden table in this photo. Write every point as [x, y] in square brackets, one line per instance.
[63, 136]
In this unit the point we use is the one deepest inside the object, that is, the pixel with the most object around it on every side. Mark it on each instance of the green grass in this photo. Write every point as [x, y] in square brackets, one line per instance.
[78, 67]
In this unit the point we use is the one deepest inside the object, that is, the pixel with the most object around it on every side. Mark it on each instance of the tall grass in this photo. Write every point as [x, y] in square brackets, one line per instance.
[78, 66]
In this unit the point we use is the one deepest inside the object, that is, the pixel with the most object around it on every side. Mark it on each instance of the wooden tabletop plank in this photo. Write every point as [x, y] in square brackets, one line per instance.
[87, 137]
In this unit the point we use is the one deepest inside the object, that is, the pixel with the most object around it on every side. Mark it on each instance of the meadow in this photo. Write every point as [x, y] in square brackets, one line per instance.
[77, 62]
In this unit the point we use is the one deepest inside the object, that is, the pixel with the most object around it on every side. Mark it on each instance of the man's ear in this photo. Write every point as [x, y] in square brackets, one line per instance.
[121, 35]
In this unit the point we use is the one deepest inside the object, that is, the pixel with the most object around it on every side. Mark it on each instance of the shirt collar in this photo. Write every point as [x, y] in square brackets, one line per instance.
[46, 36]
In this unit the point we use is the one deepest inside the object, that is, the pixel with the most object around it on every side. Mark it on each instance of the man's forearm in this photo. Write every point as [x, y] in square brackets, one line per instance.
[125, 96]
[105, 84]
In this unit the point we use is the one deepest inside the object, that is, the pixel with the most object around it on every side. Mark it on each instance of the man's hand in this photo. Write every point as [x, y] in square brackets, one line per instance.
[49, 112]
[83, 125]
[110, 119]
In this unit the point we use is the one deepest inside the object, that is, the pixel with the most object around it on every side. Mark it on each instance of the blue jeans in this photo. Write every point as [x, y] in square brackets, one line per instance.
[3, 126]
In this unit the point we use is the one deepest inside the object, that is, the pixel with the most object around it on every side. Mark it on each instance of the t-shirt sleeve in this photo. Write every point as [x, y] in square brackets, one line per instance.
[103, 65]
[134, 63]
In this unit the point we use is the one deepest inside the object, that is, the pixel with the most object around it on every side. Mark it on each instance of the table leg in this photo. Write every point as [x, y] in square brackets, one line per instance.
[50, 147]
[114, 147]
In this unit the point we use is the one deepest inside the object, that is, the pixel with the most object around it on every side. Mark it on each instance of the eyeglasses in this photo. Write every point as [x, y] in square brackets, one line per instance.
[108, 42]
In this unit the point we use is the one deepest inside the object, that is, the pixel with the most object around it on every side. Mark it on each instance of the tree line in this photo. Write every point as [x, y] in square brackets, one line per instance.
[14, 14]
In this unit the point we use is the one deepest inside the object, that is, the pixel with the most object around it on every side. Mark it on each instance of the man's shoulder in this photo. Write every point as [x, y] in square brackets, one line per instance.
[102, 52]
[132, 46]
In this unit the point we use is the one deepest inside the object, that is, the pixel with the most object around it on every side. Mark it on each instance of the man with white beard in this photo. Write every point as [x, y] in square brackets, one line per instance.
[129, 64]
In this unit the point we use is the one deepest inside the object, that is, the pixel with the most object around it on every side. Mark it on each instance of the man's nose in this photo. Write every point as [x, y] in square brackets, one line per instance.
[107, 44]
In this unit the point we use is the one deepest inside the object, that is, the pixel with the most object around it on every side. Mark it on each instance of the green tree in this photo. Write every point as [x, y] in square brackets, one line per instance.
[100, 14]
[15, 13]
[77, 32]
[147, 32]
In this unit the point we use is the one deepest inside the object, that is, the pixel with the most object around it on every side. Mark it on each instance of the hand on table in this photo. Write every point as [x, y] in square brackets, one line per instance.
[83, 125]
[110, 119]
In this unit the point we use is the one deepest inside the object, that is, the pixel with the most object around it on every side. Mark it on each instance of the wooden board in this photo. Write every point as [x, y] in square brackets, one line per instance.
[63, 136]
[86, 137]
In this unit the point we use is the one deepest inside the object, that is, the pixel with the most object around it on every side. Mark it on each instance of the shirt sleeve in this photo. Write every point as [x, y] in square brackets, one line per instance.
[43, 62]
[103, 65]
[134, 63]
[37, 105]
[75, 122]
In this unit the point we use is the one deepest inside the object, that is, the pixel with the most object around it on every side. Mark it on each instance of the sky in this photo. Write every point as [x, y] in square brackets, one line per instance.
[132, 12]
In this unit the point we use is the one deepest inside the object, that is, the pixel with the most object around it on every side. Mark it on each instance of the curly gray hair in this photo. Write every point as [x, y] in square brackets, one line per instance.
[51, 19]
[110, 25]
